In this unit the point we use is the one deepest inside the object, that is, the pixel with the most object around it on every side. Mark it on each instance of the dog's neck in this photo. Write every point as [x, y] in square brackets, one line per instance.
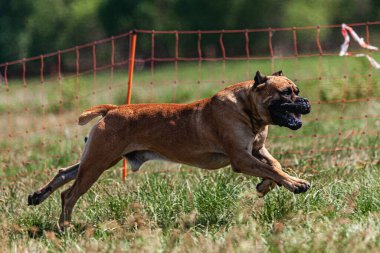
[257, 123]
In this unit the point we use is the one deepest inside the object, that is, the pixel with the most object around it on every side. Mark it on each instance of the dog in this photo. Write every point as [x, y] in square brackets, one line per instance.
[230, 128]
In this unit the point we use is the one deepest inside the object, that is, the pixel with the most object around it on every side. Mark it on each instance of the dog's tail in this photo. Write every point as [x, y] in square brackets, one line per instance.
[93, 112]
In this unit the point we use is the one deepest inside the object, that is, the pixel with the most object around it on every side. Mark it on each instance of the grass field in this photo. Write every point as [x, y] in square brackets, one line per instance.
[187, 209]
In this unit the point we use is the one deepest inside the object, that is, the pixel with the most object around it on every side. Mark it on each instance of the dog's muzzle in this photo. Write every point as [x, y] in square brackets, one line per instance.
[289, 114]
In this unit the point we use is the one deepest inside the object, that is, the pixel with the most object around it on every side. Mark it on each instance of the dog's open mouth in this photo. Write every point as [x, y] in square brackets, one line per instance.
[289, 114]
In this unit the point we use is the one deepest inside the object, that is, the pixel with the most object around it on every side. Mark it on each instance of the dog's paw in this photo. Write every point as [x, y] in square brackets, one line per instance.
[34, 199]
[63, 226]
[297, 185]
[38, 196]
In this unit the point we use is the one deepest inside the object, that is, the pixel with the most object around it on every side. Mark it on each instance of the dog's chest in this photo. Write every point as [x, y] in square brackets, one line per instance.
[259, 140]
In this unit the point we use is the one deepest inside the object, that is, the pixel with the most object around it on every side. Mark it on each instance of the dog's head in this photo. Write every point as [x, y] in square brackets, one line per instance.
[278, 102]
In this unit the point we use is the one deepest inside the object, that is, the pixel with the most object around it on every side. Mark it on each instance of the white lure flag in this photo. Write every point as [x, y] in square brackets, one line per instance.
[362, 43]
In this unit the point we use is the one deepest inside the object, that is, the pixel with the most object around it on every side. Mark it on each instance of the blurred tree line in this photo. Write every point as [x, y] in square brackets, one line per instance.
[29, 28]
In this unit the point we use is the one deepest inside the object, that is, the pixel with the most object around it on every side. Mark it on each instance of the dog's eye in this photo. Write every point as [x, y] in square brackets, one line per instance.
[297, 91]
[287, 92]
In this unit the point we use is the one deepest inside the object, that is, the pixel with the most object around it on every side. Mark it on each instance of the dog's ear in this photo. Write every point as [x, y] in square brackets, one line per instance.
[259, 79]
[278, 73]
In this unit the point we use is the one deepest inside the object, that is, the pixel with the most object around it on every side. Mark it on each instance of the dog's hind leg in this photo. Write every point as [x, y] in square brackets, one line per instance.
[64, 176]
[89, 172]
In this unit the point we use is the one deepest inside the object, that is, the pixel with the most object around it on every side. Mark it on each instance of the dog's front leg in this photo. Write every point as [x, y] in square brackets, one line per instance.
[250, 165]
[266, 185]
[238, 145]
[244, 162]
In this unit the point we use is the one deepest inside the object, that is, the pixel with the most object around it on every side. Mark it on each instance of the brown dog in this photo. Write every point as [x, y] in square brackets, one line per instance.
[229, 128]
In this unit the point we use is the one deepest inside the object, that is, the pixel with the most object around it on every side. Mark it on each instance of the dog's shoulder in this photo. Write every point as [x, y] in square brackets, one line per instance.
[233, 92]
[246, 85]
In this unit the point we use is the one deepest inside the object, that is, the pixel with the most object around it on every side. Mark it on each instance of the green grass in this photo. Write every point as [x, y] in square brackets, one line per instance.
[188, 209]
[200, 211]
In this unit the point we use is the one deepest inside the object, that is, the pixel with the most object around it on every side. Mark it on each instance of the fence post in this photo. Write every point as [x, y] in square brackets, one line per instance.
[132, 53]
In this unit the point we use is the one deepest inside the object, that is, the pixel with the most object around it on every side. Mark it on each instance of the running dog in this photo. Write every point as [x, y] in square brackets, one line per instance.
[230, 128]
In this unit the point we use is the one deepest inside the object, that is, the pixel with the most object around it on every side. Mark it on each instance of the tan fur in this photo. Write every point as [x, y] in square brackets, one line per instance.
[93, 112]
[229, 128]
